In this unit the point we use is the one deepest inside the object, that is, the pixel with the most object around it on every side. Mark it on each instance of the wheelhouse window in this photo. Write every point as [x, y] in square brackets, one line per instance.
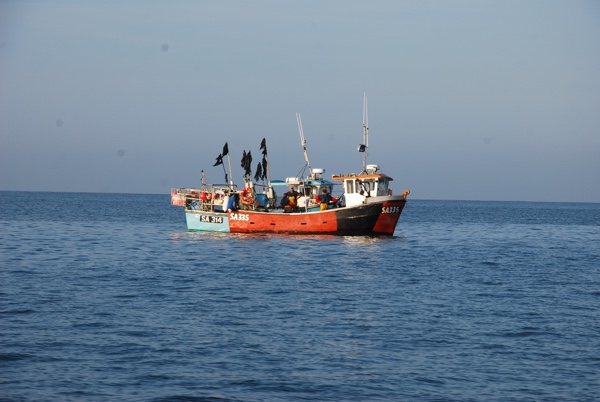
[350, 186]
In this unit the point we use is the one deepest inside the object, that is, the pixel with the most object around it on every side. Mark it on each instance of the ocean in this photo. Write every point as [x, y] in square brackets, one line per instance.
[107, 297]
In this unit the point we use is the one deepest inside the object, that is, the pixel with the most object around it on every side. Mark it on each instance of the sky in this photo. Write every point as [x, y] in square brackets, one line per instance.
[468, 99]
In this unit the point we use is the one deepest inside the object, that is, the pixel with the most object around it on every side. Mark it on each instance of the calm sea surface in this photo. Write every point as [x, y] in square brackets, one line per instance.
[106, 297]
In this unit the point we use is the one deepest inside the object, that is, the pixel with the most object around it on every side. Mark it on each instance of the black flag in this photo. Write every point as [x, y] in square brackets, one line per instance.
[225, 150]
[263, 146]
[219, 160]
[258, 174]
[264, 168]
[249, 163]
[244, 157]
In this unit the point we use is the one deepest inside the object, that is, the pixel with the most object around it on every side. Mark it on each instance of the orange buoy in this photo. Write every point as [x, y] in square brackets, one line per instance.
[247, 196]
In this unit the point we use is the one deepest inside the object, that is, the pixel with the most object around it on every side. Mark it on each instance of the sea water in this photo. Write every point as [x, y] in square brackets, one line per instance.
[107, 297]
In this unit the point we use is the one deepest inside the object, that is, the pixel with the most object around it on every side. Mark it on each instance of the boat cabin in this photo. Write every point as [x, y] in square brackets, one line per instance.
[310, 187]
[357, 188]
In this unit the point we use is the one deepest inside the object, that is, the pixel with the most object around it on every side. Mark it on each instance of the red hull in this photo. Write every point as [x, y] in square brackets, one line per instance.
[340, 221]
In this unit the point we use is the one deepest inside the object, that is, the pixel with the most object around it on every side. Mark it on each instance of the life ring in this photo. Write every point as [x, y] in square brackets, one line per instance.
[247, 196]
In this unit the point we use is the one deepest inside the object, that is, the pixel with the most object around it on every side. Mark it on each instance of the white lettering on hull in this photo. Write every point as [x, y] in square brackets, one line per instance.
[390, 210]
[239, 217]
[211, 219]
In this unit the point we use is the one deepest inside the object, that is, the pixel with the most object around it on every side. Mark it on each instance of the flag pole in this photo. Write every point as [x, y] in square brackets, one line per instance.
[230, 174]
[224, 171]
[226, 152]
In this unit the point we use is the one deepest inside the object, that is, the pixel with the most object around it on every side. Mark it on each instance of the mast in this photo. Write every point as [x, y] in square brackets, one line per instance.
[363, 147]
[365, 130]
[230, 184]
[268, 170]
[302, 140]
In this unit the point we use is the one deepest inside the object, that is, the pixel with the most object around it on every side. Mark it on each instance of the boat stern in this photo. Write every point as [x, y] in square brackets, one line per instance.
[198, 221]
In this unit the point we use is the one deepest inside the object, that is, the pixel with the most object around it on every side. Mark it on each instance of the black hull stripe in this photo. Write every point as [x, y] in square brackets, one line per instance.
[360, 220]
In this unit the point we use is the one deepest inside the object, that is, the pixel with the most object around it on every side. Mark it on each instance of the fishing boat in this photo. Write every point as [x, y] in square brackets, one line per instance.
[366, 205]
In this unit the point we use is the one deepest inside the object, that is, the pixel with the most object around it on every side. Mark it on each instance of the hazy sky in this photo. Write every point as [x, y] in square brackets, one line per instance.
[478, 100]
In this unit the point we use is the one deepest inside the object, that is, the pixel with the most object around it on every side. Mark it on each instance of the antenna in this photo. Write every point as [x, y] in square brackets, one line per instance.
[366, 121]
[363, 147]
[302, 140]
